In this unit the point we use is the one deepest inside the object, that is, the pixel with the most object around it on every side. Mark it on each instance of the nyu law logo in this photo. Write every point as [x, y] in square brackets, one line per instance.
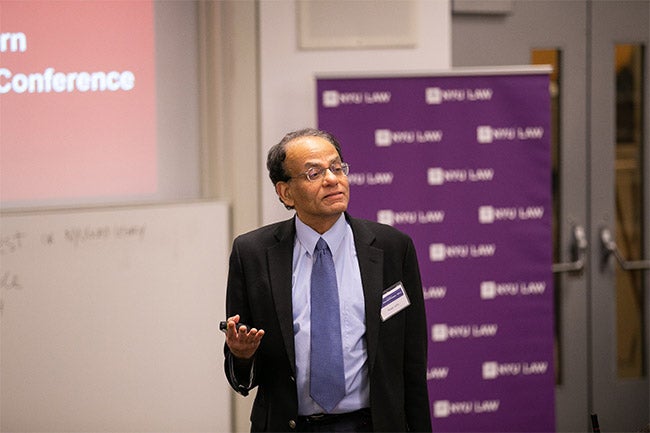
[492, 289]
[439, 252]
[434, 292]
[492, 370]
[441, 332]
[437, 373]
[488, 134]
[446, 408]
[438, 176]
[387, 137]
[437, 95]
[490, 214]
[334, 98]
[391, 217]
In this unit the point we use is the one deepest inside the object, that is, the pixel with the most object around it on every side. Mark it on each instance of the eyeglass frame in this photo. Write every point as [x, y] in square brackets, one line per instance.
[319, 171]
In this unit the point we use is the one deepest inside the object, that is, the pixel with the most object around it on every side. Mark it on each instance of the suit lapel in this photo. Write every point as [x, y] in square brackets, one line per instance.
[279, 258]
[371, 263]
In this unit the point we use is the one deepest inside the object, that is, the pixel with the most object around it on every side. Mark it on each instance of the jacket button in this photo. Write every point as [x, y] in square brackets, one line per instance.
[292, 424]
[293, 379]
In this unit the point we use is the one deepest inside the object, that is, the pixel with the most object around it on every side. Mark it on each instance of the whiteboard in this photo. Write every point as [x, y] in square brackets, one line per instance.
[109, 319]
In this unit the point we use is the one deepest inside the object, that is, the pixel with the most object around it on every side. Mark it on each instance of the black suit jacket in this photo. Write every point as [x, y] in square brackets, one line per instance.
[259, 290]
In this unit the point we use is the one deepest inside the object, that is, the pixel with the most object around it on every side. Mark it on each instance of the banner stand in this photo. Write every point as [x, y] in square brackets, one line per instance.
[461, 161]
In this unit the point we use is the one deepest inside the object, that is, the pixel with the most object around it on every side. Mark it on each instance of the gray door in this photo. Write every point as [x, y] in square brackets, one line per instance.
[600, 148]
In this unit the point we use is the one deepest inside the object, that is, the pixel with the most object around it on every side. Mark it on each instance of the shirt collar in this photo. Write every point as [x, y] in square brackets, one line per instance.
[308, 236]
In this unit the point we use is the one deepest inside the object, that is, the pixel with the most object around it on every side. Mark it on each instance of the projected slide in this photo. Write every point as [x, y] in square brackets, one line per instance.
[77, 100]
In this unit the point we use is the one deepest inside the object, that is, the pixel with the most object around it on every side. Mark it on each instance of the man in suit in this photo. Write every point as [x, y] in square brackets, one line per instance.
[379, 311]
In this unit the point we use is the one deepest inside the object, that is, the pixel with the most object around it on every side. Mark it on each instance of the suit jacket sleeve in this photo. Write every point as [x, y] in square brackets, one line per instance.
[259, 290]
[240, 373]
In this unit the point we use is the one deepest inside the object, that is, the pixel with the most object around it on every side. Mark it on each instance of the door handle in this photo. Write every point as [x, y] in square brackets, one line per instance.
[578, 253]
[610, 248]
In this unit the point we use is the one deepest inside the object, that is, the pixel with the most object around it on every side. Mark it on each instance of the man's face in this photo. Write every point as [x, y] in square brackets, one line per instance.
[318, 203]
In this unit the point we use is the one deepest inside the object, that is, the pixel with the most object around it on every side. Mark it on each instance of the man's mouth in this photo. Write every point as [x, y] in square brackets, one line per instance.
[334, 195]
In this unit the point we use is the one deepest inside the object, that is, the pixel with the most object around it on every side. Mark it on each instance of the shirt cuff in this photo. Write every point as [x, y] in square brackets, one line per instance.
[237, 369]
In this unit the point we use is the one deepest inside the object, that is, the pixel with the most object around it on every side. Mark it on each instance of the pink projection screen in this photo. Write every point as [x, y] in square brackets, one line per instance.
[77, 100]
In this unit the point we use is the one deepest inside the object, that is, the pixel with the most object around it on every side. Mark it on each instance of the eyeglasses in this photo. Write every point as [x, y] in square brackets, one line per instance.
[338, 169]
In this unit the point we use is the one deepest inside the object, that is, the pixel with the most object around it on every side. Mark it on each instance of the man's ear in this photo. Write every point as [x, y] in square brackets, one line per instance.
[284, 193]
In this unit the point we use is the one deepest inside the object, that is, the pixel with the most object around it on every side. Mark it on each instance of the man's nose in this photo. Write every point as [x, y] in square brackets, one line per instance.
[329, 176]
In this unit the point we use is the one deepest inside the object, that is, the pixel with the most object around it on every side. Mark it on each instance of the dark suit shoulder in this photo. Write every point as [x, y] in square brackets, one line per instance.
[266, 235]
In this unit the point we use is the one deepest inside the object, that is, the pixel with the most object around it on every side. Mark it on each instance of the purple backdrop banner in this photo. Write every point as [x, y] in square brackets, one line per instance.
[462, 164]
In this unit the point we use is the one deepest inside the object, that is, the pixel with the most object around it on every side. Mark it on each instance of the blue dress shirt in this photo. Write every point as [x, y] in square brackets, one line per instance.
[353, 327]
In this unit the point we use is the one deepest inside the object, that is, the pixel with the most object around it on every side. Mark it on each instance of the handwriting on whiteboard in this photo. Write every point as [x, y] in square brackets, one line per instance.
[12, 243]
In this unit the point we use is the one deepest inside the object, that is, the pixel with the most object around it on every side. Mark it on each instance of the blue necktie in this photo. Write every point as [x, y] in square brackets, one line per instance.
[327, 377]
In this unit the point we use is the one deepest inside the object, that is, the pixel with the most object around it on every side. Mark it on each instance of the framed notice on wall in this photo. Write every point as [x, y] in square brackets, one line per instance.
[329, 24]
[461, 162]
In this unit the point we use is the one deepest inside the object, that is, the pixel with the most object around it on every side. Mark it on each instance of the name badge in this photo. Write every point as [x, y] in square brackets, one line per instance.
[393, 300]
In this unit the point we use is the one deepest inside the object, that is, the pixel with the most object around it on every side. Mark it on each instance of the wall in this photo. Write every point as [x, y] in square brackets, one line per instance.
[177, 107]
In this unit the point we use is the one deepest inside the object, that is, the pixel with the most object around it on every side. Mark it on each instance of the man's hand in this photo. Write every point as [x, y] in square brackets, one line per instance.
[242, 344]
